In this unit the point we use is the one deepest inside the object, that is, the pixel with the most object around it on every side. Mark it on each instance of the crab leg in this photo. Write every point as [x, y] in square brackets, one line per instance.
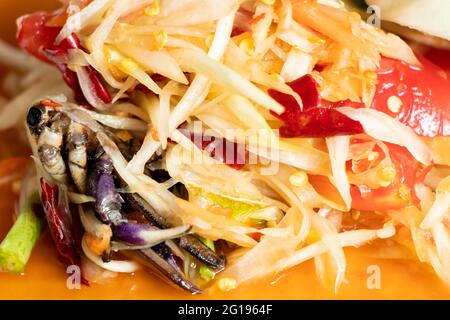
[108, 203]
[49, 148]
[188, 242]
[77, 140]
[162, 262]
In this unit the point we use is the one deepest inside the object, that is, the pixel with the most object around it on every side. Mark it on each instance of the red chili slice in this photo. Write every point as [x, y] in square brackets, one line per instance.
[60, 226]
[318, 117]
[225, 151]
[242, 22]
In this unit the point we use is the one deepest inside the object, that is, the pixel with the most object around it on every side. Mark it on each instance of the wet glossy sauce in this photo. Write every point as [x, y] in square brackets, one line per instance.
[45, 277]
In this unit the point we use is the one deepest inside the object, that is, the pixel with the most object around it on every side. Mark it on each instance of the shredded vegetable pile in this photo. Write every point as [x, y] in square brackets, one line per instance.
[224, 141]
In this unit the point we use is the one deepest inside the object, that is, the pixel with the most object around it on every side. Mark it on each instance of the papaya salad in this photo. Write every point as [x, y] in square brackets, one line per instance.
[217, 142]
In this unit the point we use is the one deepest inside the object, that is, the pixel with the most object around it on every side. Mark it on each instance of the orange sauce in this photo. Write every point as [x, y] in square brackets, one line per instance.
[45, 277]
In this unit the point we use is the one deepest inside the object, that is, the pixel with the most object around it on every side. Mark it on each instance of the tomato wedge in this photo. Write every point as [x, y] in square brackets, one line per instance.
[34, 35]
[400, 194]
[440, 57]
[416, 96]
[37, 37]
[388, 198]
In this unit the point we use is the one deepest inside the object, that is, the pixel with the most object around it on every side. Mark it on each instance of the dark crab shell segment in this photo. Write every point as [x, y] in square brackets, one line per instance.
[50, 126]
[137, 203]
[200, 251]
[49, 150]
[108, 202]
[167, 271]
[37, 118]
[77, 140]
[144, 234]
[189, 243]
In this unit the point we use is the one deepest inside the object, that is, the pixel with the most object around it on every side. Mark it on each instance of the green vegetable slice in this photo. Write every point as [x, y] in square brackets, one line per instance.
[16, 248]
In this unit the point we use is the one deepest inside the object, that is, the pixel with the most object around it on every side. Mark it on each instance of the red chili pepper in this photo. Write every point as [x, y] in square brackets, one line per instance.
[318, 117]
[225, 151]
[232, 156]
[242, 22]
[100, 89]
[38, 38]
[60, 225]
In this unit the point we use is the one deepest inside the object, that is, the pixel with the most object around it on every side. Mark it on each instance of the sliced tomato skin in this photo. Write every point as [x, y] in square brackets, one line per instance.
[423, 92]
[242, 22]
[37, 37]
[324, 187]
[407, 167]
[440, 57]
[34, 35]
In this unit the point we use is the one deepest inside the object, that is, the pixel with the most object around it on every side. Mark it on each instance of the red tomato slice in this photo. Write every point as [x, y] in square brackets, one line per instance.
[324, 187]
[377, 200]
[37, 37]
[439, 57]
[417, 96]
[423, 92]
[400, 193]
[34, 35]
[407, 167]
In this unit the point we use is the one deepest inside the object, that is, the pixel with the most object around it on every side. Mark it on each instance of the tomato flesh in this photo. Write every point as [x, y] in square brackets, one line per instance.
[37, 37]
[400, 193]
[440, 57]
[34, 35]
[423, 92]
[377, 200]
